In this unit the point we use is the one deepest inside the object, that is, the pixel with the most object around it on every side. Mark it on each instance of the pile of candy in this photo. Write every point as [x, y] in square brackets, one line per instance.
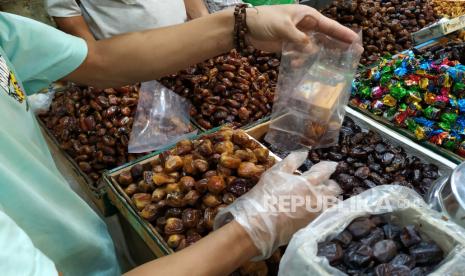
[425, 96]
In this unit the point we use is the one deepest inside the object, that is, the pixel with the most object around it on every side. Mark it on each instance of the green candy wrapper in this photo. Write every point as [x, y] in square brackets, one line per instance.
[450, 118]
[431, 112]
[411, 124]
[444, 125]
[399, 92]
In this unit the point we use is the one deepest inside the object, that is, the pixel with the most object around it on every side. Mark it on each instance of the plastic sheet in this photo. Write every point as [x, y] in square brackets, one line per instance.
[400, 205]
[162, 118]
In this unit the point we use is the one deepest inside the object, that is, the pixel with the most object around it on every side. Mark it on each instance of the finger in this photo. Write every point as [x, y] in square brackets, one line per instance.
[312, 20]
[292, 34]
[291, 162]
[320, 172]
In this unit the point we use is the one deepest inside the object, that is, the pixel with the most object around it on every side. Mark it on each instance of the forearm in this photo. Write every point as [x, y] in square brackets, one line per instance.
[149, 55]
[195, 8]
[219, 253]
[75, 25]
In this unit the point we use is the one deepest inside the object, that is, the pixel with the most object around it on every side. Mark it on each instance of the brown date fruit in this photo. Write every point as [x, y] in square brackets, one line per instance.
[125, 178]
[150, 212]
[158, 194]
[230, 161]
[211, 200]
[201, 165]
[184, 147]
[191, 217]
[224, 147]
[173, 188]
[130, 189]
[262, 154]
[162, 178]
[186, 183]
[188, 165]
[209, 217]
[205, 148]
[175, 199]
[137, 171]
[173, 163]
[240, 138]
[216, 184]
[174, 226]
[141, 200]
[201, 185]
[192, 197]
[175, 240]
[250, 170]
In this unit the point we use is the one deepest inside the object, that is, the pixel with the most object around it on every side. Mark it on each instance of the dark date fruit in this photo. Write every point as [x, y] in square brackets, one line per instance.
[368, 161]
[384, 250]
[331, 251]
[409, 236]
[376, 249]
[386, 25]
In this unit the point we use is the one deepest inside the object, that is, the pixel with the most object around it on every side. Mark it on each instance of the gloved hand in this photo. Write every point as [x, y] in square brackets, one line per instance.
[281, 203]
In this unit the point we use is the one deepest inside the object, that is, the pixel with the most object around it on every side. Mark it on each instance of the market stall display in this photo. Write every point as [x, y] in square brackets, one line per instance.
[367, 159]
[386, 25]
[370, 244]
[388, 230]
[423, 96]
[93, 126]
[449, 8]
[178, 192]
[232, 88]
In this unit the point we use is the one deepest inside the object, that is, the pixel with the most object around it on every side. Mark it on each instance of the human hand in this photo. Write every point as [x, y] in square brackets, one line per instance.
[281, 203]
[270, 26]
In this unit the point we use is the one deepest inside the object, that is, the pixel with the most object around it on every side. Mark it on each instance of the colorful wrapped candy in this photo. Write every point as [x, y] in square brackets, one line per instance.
[425, 96]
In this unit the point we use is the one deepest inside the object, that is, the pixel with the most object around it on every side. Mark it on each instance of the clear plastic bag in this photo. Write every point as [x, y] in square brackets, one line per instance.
[162, 118]
[40, 102]
[313, 89]
[398, 205]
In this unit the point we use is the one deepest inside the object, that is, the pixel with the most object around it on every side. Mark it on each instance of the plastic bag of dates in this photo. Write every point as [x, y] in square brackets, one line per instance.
[388, 230]
[313, 90]
[162, 118]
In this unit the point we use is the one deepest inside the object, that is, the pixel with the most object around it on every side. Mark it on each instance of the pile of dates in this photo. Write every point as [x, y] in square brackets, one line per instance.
[181, 190]
[452, 50]
[449, 9]
[233, 88]
[371, 246]
[386, 25]
[365, 161]
[93, 126]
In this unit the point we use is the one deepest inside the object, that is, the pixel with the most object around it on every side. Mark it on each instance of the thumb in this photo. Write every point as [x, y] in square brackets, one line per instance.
[292, 34]
[320, 172]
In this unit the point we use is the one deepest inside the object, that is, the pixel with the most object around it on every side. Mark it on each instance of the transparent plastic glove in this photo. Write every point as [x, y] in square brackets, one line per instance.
[282, 203]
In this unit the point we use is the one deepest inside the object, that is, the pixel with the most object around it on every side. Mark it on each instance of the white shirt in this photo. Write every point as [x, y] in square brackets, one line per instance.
[218, 5]
[107, 18]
